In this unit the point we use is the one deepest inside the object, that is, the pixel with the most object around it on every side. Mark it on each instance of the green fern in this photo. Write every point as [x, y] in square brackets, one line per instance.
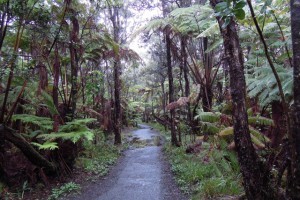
[48, 100]
[211, 117]
[209, 128]
[46, 146]
[257, 137]
[259, 120]
[74, 136]
[73, 131]
[43, 122]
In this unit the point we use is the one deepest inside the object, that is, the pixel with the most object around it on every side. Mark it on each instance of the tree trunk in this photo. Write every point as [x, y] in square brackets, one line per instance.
[256, 178]
[186, 78]
[56, 70]
[174, 140]
[74, 64]
[32, 155]
[207, 85]
[114, 16]
[294, 190]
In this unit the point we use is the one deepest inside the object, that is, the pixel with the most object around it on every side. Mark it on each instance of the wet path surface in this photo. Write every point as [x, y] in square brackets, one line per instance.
[142, 174]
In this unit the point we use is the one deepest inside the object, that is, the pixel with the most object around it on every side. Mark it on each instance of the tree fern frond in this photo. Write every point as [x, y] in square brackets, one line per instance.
[43, 122]
[46, 146]
[212, 30]
[259, 135]
[209, 128]
[259, 120]
[48, 100]
[209, 117]
[226, 132]
[74, 136]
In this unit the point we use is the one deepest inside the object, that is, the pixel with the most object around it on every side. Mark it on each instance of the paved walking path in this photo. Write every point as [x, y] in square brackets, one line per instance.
[142, 174]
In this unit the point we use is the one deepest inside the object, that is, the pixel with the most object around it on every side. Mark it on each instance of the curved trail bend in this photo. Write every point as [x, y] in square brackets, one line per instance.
[142, 174]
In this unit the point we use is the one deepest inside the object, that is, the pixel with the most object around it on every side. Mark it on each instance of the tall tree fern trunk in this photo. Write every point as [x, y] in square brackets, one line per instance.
[294, 189]
[207, 86]
[168, 41]
[256, 178]
[117, 116]
[74, 63]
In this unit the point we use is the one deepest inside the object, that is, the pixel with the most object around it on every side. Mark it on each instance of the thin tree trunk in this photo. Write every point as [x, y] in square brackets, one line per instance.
[294, 189]
[56, 70]
[256, 178]
[114, 16]
[174, 140]
[74, 64]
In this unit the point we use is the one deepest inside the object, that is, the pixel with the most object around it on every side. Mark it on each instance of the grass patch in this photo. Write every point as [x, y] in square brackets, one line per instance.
[64, 190]
[212, 173]
[98, 158]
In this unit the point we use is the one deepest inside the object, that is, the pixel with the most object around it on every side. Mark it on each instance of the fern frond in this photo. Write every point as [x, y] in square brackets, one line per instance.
[46, 146]
[259, 135]
[211, 30]
[259, 120]
[209, 128]
[43, 122]
[209, 117]
[226, 132]
[74, 136]
[48, 100]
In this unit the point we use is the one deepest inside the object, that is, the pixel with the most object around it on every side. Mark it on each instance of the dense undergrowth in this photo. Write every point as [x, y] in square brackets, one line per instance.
[210, 174]
[94, 161]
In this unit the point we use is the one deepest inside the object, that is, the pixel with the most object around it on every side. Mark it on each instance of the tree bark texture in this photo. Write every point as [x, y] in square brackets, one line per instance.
[74, 63]
[114, 14]
[168, 42]
[255, 176]
[174, 140]
[207, 85]
[294, 191]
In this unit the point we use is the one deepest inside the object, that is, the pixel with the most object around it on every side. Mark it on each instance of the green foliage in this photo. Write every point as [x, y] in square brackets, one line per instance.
[44, 123]
[230, 8]
[211, 117]
[264, 86]
[48, 100]
[209, 174]
[209, 128]
[46, 146]
[259, 120]
[257, 137]
[73, 131]
[63, 190]
[98, 158]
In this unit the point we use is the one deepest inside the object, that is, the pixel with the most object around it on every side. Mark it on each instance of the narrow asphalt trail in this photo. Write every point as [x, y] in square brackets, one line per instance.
[142, 174]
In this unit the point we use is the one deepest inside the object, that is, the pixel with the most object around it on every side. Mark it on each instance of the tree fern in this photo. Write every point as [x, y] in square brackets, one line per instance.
[208, 117]
[257, 137]
[259, 120]
[209, 128]
[73, 131]
[43, 122]
[46, 146]
[263, 85]
[48, 100]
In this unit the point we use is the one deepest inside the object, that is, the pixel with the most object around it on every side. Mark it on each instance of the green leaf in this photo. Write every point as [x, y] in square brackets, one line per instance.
[226, 22]
[240, 4]
[239, 14]
[220, 7]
